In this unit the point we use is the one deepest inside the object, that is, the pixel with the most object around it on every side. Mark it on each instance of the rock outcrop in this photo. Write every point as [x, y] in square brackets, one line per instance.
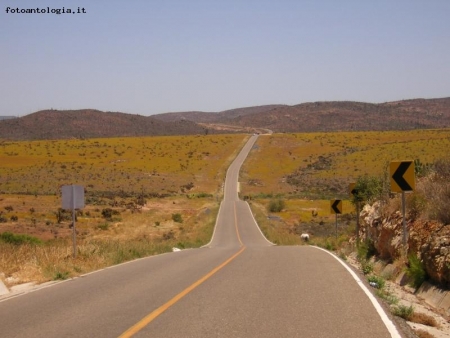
[429, 240]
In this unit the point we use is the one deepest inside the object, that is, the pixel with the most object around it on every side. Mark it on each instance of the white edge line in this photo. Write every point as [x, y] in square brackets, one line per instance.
[256, 224]
[215, 228]
[387, 322]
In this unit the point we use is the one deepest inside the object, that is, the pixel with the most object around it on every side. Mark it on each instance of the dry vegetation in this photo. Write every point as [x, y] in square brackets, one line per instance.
[153, 166]
[143, 196]
[321, 165]
[307, 170]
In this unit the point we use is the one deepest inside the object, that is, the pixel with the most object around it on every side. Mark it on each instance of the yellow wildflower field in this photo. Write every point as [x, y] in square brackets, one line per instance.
[321, 165]
[149, 165]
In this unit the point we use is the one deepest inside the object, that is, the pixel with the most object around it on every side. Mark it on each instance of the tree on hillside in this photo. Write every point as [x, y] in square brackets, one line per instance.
[368, 189]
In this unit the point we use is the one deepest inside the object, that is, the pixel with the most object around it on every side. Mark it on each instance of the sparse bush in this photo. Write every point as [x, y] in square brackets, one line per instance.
[14, 218]
[177, 218]
[61, 275]
[417, 204]
[423, 334]
[276, 205]
[416, 271]
[437, 192]
[366, 267]
[378, 282]
[366, 250]
[18, 239]
[368, 189]
[168, 235]
[103, 226]
[388, 297]
[9, 208]
[424, 319]
[403, 311]
[108, 213]
[63, 215]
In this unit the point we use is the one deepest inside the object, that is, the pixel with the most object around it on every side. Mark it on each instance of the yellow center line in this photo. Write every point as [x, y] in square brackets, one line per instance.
[236, 225]
[150, 317]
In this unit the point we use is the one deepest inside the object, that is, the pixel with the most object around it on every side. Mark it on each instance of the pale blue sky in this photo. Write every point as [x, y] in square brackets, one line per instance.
[155, 56]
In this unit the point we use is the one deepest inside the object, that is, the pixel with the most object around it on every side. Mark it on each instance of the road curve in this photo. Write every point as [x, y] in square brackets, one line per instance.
[239, 285]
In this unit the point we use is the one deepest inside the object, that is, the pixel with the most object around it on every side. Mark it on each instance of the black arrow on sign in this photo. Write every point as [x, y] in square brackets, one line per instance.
[398, 176]
[334, 206]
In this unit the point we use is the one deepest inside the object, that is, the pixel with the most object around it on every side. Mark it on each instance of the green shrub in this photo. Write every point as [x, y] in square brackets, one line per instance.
[368, 189]
[107, 213]
[177, 218]
[61, 275]
[18, 239]
[403, 311]
[388, 297]
[416, 271]
[276, 205]
[377, 282]
[103, 226]
[366, 250]
[366, 267]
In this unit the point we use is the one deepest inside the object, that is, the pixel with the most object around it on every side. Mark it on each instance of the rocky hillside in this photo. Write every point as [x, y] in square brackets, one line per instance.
[331, 116]
[54, 124]
[429, 240]
[306, 117]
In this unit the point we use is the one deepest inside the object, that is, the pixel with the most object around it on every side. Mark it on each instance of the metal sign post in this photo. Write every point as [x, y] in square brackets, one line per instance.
[336, 227]
[73, 198]
[336, 208]
[353, 191]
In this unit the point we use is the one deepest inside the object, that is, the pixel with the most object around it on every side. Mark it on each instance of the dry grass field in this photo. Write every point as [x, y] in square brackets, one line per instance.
[143, 196]
[148, 194]
[321, 165]
[307, 170]
[152, 165]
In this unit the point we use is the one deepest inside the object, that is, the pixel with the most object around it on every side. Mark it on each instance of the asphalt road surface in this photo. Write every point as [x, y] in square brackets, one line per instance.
[239, 285]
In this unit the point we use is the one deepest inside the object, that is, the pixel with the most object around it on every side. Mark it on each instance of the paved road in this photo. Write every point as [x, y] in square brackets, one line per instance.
[239, 285]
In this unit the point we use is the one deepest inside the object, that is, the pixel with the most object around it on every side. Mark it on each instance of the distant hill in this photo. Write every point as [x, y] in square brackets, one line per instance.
[7, 117]
[221, 117]
[330, 116]
[305, 117]
[87, 123]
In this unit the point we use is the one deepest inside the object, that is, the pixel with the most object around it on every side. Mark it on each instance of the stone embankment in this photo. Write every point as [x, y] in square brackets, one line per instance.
[429, 240]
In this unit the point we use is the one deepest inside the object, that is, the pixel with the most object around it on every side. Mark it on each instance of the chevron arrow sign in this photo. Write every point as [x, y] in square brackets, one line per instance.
[336, 206]
[402, 176]
[351, 189]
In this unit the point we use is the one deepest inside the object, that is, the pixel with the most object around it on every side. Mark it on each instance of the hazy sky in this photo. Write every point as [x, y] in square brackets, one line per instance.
[155, 56]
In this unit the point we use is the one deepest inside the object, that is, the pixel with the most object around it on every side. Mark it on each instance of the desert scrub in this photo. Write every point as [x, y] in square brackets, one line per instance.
[177, 218]
[18, 239]
[416, 271]
[376, 282]
[366, 266]
[276, 205]
[403, 311]
[365, 250]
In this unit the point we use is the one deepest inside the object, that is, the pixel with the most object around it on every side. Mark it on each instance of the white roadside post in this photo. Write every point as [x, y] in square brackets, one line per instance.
[73, 198]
